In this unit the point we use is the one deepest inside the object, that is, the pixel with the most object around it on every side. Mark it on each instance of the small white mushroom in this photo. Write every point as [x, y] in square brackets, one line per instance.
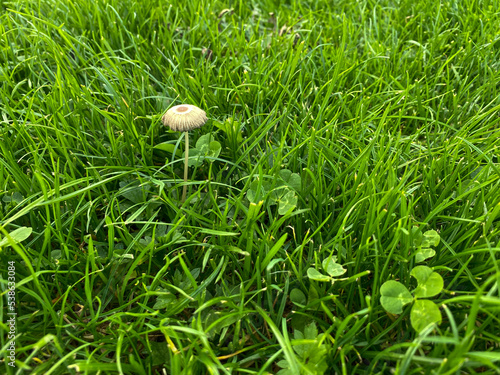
[183, 118]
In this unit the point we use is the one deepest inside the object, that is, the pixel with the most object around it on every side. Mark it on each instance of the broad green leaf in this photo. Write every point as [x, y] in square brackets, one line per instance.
[195, 272]
[17, 235]
[394, 296]
[311, 331]
[159, 353]
[423, 313]
[427, 239]
[55, 254]
[225, 126]
[205, 146]
[282, 364]
[204, 141]
[291, 179]
[312, 295]
[332, 268]
[285, 174]
[195, 157]
[423, 254]
[208, 146]
[164, 300]
[430, 238]
[275, 194]
[132, 191]
[168, 147]
[15, 197]
[214, 149]
[231, 128]
[252, 192]
[298, 335]
[252, 195]
[417, 236]
[313, 354]
[285, 371]
[316, 361]
[287, 202]
[300, 349]
[429, 282]
[313, 274]
[298, 297]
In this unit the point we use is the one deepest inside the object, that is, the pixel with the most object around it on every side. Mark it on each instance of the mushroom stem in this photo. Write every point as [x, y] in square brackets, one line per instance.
[184, 189]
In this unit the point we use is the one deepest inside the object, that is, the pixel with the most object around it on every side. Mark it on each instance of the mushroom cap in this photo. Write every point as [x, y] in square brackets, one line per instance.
[184, 117]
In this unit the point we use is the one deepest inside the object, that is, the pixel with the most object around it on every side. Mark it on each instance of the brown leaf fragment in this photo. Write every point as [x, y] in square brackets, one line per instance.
[225, 11]
[207, 53]
[283, 30]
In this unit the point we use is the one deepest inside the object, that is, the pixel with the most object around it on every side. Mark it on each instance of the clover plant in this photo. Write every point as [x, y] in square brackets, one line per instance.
[423, 243]
[394, 296]
[283, 194]
[206, 147]
[170, 296]
[330, 267]
[310, 350]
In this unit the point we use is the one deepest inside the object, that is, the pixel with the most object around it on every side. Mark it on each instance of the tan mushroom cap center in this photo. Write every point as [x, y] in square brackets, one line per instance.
[184, 117]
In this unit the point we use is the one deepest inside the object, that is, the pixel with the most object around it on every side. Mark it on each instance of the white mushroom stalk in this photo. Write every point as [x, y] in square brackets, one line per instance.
[183, 118]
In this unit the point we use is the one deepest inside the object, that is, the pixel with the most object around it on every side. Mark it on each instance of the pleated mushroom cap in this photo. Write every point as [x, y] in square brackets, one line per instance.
[184, 117]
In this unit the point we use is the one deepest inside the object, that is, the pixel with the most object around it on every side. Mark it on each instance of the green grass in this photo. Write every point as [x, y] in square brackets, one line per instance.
[375, 117]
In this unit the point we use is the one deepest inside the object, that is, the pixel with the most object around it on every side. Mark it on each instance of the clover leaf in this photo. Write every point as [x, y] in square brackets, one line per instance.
[394, 296]
[429, 282]
[287, 202]
[314, 274]
[423, 313]
[332, 268]
[205, 147]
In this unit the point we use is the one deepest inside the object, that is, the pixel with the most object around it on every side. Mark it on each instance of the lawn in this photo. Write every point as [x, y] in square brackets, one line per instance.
[343, 199]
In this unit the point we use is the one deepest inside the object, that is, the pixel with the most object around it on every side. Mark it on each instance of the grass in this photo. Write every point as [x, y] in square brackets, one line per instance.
[336, 128]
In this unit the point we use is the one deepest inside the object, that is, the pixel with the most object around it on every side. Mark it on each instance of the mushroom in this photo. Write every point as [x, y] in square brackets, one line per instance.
[183, 118]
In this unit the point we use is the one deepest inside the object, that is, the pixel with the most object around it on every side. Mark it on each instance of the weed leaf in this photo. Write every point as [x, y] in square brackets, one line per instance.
[430, 283]
[291, 179]
[332, 268]
[18, 235]
[423, 313]
[313, 274]
[287, 202]
[394, 296]
[431, 238]
[298, 297]
[424, 254]
[168, 147]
